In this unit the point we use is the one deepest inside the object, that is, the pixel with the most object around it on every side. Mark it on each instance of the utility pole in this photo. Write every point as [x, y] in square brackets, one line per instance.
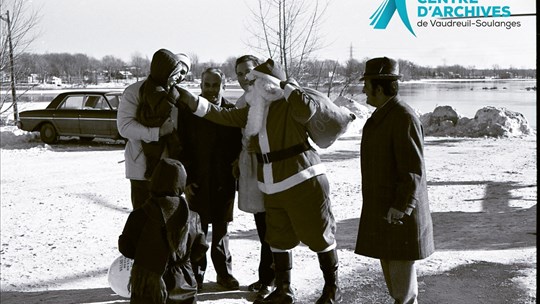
[13, 94]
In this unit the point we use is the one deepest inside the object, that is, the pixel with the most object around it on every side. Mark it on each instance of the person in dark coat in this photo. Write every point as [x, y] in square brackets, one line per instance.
[163, 237]
[395, 224]
[157, 101]
[209, 151]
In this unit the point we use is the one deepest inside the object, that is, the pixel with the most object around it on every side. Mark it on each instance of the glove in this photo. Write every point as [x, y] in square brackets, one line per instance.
[187, 98]
[290, 81]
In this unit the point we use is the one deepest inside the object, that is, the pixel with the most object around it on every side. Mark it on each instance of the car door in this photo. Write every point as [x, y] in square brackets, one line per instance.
[89, 115]
[66, 118]
[97, 117]
[112, 111]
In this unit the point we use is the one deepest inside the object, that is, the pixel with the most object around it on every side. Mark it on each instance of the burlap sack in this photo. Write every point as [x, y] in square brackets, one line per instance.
[329, 122]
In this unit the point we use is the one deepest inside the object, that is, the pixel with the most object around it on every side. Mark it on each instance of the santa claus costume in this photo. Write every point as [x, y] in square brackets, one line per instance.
[290, 174]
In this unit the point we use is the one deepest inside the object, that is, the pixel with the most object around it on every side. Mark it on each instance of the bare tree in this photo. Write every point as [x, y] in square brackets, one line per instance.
[352, 72]
[287, 31]
[196, 68]
[320, 72]
[112, 65]
[140, 65]
[229, 67]
[13, 42]
[332, 75]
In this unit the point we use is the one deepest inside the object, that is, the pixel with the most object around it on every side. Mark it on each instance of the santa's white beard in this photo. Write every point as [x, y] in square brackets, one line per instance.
[259, 97]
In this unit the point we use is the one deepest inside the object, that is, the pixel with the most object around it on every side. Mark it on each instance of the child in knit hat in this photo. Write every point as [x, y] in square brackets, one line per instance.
[163, 237]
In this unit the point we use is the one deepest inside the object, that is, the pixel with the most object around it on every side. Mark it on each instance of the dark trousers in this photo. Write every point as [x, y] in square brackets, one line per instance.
[140, 192]
[219, 251]
[266, 273]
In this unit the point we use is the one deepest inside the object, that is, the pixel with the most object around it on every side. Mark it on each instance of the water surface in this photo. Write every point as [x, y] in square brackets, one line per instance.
[467, 97]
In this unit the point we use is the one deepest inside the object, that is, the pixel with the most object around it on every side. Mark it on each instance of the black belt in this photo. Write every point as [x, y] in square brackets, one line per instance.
[283, 154]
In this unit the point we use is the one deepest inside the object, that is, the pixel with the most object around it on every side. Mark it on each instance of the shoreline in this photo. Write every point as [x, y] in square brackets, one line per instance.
[234, 85]
[476, 80]
[466, 96]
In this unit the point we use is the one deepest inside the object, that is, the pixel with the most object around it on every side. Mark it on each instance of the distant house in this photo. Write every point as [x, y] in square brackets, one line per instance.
[57, 81]
[125, 75]
[33, 79]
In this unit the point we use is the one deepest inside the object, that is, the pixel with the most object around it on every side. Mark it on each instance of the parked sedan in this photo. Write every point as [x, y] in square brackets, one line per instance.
[87, 114]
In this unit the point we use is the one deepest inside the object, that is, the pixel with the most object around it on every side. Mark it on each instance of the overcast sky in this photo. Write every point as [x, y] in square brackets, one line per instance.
[216, 30]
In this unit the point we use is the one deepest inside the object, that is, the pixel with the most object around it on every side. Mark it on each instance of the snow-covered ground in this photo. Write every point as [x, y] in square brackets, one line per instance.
[64, 205]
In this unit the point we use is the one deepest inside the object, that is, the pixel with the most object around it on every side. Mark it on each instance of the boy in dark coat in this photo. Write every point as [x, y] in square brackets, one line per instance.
[163, 237]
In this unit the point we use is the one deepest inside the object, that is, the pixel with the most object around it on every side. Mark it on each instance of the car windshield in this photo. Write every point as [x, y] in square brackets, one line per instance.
[114, 99]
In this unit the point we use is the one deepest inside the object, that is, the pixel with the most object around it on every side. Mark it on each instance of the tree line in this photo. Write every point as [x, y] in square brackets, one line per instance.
[83, 69]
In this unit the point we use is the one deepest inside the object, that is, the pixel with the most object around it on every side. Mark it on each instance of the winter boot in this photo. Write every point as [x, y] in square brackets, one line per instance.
[329, 265]
[283, 293]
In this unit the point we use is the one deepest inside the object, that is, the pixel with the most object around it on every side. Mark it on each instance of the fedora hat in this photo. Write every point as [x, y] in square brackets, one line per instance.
[381, 68]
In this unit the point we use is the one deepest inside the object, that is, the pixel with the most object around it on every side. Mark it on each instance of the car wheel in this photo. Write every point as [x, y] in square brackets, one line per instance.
[48, 134]
[83, 138]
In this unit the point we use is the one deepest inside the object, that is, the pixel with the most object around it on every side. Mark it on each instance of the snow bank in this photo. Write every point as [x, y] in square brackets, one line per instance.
[11, 136]
[446, 121]
[488, 122]
[362, 113]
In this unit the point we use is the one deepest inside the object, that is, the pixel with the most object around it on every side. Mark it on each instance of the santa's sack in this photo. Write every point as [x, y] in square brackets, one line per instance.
[329, 121]
[119, 274]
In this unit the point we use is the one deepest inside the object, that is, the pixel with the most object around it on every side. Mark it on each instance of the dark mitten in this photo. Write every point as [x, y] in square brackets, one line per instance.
[174, 96]
[187, 98]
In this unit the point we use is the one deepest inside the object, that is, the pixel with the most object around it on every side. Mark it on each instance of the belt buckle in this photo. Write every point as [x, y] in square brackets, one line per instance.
[265, 158]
